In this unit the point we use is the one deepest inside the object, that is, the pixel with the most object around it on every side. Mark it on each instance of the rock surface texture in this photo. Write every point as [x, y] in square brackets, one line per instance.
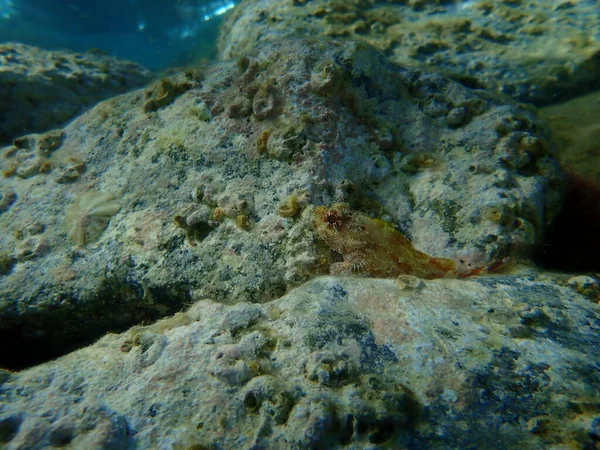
[41, 89]
[201, 186]
[535, 51]
[338, 363]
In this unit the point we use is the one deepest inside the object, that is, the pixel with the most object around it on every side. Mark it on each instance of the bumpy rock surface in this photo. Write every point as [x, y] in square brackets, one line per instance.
[535, 51]
[40, 89]
[201, 185]
[494, 362]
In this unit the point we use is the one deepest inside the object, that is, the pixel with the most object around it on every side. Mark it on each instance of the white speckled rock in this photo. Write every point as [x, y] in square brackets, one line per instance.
[495, 362]
[206, 178]
[541, 52]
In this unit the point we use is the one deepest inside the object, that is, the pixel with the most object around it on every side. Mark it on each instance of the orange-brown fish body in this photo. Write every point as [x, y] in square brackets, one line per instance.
[372, 247]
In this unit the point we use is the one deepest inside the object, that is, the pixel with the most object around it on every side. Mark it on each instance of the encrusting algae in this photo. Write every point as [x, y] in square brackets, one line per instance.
[373, 247]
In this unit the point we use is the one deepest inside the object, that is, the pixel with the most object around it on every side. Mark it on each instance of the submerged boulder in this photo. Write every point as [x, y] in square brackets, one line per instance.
[533, 51]
[201, 186]
[42, 89]
[338, 363]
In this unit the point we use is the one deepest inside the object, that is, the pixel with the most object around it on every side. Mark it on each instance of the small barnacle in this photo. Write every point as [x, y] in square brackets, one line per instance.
[31, 248]
[180, 221]
[11, 169]
[198, 215]
[29, 167]
[201, 112]
[267, 103]
[532, 145]
[71, 171]
[218, 214]
[242, 221]
[77, 162]
[240, 106]
[262, 141]
[50, 141]
[416, 162]
[164, 93]
[88, 216]
[46, 166]
[197, 223]
[24, 142]
[161, 95]
[289, 208]
[292, 205]
[328, 79]
[249, 68]
[456, 116]
[493, 214]
[408, 282]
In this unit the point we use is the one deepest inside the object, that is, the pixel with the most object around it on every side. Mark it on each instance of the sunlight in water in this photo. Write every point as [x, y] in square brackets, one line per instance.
[6, 9]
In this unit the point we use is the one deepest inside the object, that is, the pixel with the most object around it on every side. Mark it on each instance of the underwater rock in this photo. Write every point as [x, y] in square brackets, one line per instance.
[344, 363]
[575, 128]
[41, 89]
[533, 51]
[210, 208]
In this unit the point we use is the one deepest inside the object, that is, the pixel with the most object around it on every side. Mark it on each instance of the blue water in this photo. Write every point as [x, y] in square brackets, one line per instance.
[154, 33]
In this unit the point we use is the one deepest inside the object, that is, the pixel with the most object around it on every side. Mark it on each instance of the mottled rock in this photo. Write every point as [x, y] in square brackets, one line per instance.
[196, 202]
[535, 51]
[41, 89]
[338, 363]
